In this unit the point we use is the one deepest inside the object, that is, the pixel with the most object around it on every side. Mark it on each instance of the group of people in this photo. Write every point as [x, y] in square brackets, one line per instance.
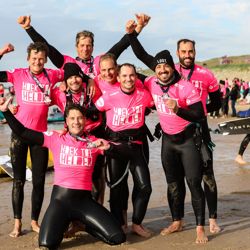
[230, 95]
[105, 105]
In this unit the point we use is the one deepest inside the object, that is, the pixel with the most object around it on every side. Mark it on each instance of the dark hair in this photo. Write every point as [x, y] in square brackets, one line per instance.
[74, 106]
[38, 47]
[108, 56]
[126, 65]
[185, 40]
[84, 34]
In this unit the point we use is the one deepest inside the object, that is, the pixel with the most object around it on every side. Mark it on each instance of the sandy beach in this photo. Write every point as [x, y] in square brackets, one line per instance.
[233, 205]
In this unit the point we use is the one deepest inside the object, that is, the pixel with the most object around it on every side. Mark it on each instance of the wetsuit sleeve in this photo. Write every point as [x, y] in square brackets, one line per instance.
[3, 76]
[122, 45]
[194, 113]
[141, 77]
[215, 101]
[17, 127]
[54, 55]
[1, 57]
[140, 52]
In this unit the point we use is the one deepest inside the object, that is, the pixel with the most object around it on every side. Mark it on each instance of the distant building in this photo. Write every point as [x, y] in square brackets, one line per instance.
[225, 60]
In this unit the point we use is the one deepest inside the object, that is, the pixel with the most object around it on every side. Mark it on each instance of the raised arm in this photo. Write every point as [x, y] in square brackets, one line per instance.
[137, 48]
[124, 43]
[7, 48]
[30, 135]
[54, 55]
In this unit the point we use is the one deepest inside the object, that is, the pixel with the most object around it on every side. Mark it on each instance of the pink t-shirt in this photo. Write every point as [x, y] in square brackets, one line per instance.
[203, 80]
[223, 91]
[32, 110]
[73, 161]
[105, 86]
[92, 69]
[245, 85]
[125, 111]
[183, 92]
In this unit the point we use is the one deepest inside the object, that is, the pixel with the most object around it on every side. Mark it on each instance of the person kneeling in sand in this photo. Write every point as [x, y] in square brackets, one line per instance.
[74, 157]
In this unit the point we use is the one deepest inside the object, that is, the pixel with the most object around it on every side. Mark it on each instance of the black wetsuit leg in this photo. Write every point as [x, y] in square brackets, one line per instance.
[71, 204]
[191, 161]
[186, 151]
[142, 185]
[244, 144]
[172, 167]
[39, 158]
[210, 188]
[132, 154]
[126, 189]
[119, 193]
[18, 153]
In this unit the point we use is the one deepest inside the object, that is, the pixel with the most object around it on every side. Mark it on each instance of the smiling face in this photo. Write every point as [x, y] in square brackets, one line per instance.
[127, 78]
[85, 48]
[36, 61]
[108, 70]
[75, 84]
[186, 54]
[164, 72]
[75, 121]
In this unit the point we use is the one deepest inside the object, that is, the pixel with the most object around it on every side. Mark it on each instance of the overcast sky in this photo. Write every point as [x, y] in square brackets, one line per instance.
[219, 27]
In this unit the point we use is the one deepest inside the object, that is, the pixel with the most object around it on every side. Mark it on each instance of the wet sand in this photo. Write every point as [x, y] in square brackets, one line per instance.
[233, 206]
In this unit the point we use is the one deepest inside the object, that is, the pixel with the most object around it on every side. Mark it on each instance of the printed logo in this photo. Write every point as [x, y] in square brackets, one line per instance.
[75, 157]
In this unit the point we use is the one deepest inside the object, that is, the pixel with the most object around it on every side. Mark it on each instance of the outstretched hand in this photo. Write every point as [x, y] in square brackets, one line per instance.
[130, 26]
[101, 144]
[24, 21]
[142, 20]
[6, 49]
[5, 103]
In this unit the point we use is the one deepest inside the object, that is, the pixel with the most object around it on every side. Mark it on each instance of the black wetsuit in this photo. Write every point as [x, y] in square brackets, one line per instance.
[179, 151]
[70, 204]
[131, 154]
[244, 144]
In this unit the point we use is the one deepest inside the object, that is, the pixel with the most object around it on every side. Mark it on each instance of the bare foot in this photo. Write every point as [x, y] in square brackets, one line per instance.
[213, 226]
[201, 237]
[74, 227]
[176, 226]
[140, 230]
[239, 159]
[35, 226]
[17, 231]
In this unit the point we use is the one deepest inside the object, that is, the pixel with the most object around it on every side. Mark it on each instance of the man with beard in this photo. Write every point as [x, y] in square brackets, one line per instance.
[207, 86]
[179, 106]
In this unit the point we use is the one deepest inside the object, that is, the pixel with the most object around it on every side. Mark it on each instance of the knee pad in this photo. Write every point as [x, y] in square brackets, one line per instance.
[173, 188]
[209, 180]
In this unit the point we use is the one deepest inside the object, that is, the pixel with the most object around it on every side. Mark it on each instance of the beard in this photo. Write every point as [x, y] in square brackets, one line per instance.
[186, 65]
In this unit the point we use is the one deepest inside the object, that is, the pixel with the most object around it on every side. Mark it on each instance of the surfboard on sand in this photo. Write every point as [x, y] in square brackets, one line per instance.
[235, 127]
[6, 166]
